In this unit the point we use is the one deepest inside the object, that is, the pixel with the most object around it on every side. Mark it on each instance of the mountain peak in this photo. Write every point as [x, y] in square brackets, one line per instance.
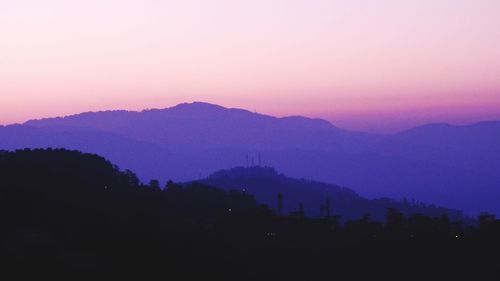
[246, 172]
[197, 105]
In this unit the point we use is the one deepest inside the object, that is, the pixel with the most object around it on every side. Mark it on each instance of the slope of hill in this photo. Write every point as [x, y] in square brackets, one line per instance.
[472, 147]
[201, 126]
[265, 184]
[452, 166]
[68, 213]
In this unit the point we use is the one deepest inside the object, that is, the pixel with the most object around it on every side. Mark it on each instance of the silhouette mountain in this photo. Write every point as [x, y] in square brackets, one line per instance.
[452, 166]
[70, 213]
[472, 147]
[202, 126]
[265, 183]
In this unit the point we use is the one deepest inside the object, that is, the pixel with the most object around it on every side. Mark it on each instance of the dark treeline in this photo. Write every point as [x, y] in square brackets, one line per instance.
[71, 213]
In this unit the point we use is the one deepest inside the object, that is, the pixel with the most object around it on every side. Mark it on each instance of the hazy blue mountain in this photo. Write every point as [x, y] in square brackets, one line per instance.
[127, 153]
[452, 166]
[264, 183]
[202, 126]
[472, 147]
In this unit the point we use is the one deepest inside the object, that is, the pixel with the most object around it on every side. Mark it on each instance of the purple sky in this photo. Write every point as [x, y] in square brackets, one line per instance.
[370, 65]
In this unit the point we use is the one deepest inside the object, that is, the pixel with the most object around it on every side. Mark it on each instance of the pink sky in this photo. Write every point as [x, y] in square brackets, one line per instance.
[370, 65]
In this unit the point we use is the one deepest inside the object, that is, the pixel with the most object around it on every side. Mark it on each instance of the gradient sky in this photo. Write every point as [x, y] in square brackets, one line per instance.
[377, 65]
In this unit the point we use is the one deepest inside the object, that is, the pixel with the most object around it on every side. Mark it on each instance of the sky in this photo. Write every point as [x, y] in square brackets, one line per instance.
[372, 65]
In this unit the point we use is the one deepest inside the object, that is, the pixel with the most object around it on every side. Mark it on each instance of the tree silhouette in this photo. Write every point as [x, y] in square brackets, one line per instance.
[321, 210]
[154, 185]
[65, 211]
[280, 203]
[301, 210]
[327, 207]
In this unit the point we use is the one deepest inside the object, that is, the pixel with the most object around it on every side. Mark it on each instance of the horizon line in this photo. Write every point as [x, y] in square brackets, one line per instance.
[421, 124]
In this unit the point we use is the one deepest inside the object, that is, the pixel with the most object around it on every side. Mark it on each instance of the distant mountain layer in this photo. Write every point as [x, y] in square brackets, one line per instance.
[265, 184]
[452, 166]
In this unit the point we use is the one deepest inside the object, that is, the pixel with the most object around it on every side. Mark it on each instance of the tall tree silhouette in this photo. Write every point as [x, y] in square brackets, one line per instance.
[300, 211]
[280, 203]
[154, 184]
[327, 207]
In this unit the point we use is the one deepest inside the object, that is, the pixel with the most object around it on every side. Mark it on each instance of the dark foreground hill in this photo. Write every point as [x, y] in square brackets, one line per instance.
[317, 199]
[70, 213]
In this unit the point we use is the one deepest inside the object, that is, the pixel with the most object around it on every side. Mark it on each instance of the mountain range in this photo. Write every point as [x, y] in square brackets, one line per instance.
[451, 166]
